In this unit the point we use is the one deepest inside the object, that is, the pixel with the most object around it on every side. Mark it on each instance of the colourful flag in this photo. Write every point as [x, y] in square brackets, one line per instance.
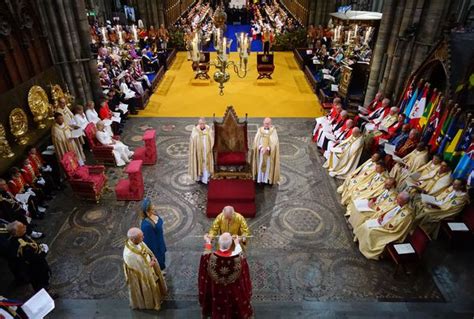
[466, 138]
[434, 120]
[411, 102]
[429, 108]
[406, 97]
[418, 108]
[466, 164]
[434, 140]
[450, 132]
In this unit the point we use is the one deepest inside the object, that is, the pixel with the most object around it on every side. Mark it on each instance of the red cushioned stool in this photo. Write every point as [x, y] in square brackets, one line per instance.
[239, 193]
[148, 152]
[133, 187]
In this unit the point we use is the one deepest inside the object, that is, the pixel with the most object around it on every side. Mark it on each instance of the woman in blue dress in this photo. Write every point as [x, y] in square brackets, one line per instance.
[152, 228]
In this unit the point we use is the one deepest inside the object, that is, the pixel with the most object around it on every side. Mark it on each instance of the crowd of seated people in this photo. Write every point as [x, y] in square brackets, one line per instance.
[270, 17]
[388, 196]
[124, 61]
[24, 194]
[330, 51]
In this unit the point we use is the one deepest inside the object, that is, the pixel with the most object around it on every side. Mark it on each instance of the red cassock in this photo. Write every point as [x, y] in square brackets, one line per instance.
[36, 162]
[225, 289]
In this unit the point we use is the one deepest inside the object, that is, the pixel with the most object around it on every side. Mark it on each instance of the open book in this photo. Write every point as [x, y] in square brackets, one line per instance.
[363, 110]
[337, 150]
[362, 205]
[372, 223]
[77, 133]
[389, 148]
[334, 88]
[428, 199]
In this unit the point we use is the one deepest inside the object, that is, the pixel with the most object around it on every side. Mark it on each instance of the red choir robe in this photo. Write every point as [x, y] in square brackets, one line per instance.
[17, 185]
[225, 289]
[373, 106]
[36, 162]
[334, 115]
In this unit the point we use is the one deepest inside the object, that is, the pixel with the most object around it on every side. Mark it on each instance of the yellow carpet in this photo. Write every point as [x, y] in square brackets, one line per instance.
[290, 96]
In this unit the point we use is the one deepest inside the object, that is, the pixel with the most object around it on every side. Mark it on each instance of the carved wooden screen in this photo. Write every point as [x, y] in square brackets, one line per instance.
[175, 8]
[299, 9]
[24, 50]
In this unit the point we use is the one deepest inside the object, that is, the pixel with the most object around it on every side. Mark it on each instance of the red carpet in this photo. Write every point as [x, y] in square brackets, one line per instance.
[239, 193]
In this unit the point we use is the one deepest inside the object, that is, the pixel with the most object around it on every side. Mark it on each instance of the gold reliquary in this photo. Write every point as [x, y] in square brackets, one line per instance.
[19, 125]
[39, 105]
[5, 149]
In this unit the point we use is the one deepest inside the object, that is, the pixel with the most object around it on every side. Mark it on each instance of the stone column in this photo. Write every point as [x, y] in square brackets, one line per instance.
[378, 59]
[391, 49]
[311, 12]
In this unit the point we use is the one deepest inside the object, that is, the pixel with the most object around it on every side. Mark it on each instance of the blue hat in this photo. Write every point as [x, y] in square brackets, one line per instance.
[146, 204]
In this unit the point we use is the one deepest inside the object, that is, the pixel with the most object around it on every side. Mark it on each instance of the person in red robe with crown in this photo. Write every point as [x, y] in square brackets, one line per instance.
[225, 289]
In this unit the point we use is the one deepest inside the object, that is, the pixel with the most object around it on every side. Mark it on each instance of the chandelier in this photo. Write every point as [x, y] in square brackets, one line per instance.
[223, 63]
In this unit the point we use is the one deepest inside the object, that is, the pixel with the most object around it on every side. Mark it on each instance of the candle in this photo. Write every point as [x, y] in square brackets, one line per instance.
[367, 35]
[348, 37]
[104, 35]
[224, 49]
[356, 28]
[120, 35]
[135, 34]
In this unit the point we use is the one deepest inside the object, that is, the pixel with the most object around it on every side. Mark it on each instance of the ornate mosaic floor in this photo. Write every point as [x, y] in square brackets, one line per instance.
[302, 249]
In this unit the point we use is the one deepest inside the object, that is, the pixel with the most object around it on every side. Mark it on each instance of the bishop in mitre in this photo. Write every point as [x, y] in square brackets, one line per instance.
[389, 225]
[411, 163]
[450, 202]
[63, 141]
[343, 160]
[146, 284]
[358, 214]
[266, 154]
[201, 161]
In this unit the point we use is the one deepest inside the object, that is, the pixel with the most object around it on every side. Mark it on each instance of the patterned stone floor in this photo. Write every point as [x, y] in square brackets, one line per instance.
[302, 249]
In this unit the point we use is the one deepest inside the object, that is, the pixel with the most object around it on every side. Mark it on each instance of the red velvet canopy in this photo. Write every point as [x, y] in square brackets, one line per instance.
[225, 289]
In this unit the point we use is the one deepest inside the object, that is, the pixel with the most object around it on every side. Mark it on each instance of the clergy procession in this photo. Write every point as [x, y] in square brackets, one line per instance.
[236, 159]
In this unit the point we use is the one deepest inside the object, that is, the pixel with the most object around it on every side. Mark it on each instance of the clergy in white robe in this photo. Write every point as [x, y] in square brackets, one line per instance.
[328, 118]
[353, 178]
[201, 160]
[121, 151]
[147, 287]
[63, 141]
[69, 120]
[266, 154]
[343, 160]
[389, 225]
[411, 163]
[450, 202]
[435, 185]
[368, 187]
[358, 214]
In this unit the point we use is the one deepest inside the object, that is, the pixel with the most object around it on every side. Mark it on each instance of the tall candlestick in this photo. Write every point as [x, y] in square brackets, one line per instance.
[104, 35]
[224, 49]
[120, 35]
[135, 33]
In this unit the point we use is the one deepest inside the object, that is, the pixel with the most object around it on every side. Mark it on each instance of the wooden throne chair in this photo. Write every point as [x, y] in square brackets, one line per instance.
[231, 146]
